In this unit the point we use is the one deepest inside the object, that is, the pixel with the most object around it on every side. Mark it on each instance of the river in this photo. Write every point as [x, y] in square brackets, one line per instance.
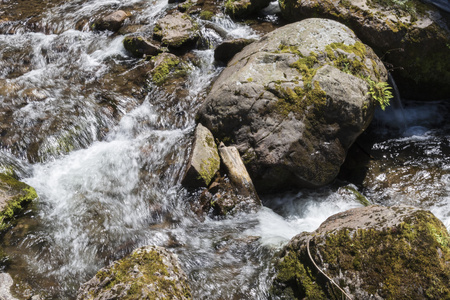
[105, 150]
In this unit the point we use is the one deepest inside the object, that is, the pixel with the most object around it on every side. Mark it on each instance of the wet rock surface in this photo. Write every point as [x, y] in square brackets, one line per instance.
[411, 36]
[226, 50]
[111, 22]
[372, 252]
[294, 102]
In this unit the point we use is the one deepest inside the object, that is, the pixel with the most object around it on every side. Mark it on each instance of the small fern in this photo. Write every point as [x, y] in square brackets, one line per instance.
[380, 91]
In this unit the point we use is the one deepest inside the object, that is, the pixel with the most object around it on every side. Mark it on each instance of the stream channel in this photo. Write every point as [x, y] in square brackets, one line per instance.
[105, 150]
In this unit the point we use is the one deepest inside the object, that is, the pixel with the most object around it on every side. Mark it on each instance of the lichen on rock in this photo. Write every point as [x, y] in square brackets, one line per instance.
[176, 30]
[371, 252]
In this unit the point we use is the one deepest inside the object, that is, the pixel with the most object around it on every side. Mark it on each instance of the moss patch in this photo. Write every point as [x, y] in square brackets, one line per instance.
[136, 285]
[406, 261]
[19, 195]
[170, 67]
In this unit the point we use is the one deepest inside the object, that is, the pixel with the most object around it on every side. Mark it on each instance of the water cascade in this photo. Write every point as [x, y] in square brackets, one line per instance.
[106, 149]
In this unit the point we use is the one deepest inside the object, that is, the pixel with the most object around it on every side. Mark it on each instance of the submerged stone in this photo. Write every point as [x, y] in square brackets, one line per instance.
[149, 272]
[372, 252]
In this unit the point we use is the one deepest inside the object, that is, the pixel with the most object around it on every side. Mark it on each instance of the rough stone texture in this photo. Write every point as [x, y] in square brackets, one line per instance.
[237, 172]
[233, 192]
[5, 285]
[149, 272]
[243, 8]
[13, 195]
[372, 253]
[294, 101]
[204, 161]
[176, 30]
[412, 37]
[226, 50]
[111, 22]
[138, 46]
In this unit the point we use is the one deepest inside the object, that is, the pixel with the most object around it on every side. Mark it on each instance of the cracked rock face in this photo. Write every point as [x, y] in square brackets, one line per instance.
[294, 102]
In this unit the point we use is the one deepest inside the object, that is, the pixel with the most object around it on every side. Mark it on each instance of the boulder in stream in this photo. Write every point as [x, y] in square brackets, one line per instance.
[294, 102]
[373, 252]
[176, 30]
[111, 22]
[139, 46]
[149, 272]
[411, 36]
[204, 161]
[13, 196]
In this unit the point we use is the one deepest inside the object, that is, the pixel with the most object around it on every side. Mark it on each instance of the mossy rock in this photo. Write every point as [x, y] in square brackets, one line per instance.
[244, 8]
[149, 272]
[411, 36]
[138, 46]
[176, 30]
[14, 195]
[294, 101]
[371, 253]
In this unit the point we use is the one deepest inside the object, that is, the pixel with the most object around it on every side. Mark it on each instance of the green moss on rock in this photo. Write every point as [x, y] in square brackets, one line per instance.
[406, 260]
[147, 273]
[14, 195]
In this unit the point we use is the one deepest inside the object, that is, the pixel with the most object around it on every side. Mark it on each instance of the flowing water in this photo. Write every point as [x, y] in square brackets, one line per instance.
[106, 150]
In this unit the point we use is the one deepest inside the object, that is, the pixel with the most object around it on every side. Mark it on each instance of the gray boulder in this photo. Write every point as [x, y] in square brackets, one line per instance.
[413, 38]
[204, 161]
[243, 8]
[176, 30]
[149, 272]
[370, 253]
[294, 102]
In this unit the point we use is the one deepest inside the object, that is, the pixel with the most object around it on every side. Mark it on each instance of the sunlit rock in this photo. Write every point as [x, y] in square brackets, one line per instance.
[111, 22]
[204, 161]
[374, 252]
[293, 102]
[149, 272]
[412, 37]
[176, 30]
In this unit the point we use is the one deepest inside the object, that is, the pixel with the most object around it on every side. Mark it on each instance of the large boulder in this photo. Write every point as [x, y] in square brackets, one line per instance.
[370, 253]
[149, 272]
[412, 37]
[176, 30]
[13, 196]
[295, 101]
